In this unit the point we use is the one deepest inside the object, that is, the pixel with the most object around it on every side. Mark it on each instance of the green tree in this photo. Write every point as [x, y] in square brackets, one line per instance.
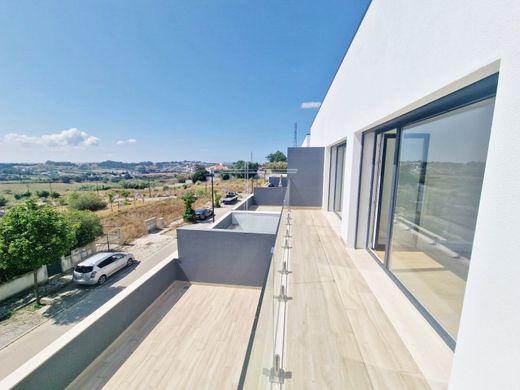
[189, 214]
[3, 201]
[199, 174]
[276, 157]
[32, 236]
[86, 201]
[250, 171]
[85, 225]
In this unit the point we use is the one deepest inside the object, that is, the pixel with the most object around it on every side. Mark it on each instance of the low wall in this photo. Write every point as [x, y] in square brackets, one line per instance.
[61, 362]
[275, 180]
[76, 256]
[224, 256]
[24, 282]
[269, 196]
[246, 204]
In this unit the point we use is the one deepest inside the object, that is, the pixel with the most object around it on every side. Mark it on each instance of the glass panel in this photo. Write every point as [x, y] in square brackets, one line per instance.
[338, 182]
[441, 168]
[381, 192]
[364, 190]
[267, 354]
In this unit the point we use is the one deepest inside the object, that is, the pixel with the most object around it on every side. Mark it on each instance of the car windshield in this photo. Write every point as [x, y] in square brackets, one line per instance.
[199, 211]
[83, 269]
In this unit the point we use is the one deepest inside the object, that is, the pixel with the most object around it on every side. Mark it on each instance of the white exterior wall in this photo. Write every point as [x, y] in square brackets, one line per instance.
[408, 53]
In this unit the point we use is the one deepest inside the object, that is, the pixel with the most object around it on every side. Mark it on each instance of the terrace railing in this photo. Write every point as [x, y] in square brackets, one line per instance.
[265, 364]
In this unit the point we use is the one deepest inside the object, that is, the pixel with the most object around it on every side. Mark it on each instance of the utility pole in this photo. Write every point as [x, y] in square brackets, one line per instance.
[295, 142]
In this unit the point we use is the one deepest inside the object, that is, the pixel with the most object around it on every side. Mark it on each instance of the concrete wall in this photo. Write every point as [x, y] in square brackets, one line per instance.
[275, 180]
[246, 203]
[307, 183]
[61, 362]
[269, 196]
[76, 256]
[224, 256]
[406, 54]
[24, 282]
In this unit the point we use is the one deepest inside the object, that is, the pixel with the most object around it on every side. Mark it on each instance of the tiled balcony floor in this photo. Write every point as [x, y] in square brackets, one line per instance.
[338, 336]
[192, 337]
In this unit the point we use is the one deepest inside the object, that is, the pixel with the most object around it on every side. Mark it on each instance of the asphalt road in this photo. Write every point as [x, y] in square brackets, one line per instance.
[21, 350]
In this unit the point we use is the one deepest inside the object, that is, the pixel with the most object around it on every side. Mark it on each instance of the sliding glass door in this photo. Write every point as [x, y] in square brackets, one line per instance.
[441, 169]
[382, 192]
[425, 186]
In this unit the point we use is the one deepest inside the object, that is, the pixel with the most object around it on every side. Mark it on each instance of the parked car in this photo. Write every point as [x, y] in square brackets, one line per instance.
[203, 213]
[230, 198]
[97, 268]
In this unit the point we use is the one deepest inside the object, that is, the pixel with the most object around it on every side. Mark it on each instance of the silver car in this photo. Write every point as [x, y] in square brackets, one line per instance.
[97, 268]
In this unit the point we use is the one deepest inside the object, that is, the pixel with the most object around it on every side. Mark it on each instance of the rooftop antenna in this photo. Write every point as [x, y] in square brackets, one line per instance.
[295, 134]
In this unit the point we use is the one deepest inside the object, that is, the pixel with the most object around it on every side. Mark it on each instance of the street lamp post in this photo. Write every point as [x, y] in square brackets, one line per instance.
[212, 198]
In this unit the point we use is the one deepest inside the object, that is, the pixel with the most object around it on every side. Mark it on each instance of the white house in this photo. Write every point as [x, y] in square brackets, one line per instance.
[421, 129]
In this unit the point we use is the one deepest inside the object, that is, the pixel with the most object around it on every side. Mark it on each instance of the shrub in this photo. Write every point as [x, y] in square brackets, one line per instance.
[55, 195]
[21, 195]
[3, 201]
[216, 199]
[85, 225]
[189, 214]
[86, 201]
[43, 194]
[225, 176]
[135, 184]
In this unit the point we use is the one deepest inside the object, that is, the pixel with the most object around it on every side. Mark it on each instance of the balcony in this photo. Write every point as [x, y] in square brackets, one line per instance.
[331, 318]
[311, 314]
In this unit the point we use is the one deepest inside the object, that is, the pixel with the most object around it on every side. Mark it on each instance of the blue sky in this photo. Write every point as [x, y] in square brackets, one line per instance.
[164, 80]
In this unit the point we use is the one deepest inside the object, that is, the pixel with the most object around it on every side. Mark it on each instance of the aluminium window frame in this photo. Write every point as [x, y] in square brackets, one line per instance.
[476, 92]
[333, 167]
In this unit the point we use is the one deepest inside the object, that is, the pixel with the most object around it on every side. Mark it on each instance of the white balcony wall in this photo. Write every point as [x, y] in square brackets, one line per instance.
[408, 53]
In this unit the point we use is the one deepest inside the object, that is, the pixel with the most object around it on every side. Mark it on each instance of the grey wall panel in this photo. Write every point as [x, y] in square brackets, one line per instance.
[307, 182]
[269, 196]
[68, 362]
[224, 222]
[226, 257]
[246, 203]
[275, 180]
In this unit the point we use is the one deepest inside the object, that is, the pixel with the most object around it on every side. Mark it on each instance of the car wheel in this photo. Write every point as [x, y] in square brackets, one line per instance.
[129, 262]
[102, 279]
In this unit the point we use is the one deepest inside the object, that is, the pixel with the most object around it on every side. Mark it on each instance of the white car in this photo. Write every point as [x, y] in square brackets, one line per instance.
[97, 268]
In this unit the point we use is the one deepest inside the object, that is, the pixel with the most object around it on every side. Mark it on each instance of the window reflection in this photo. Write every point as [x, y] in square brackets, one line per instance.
[440, 173]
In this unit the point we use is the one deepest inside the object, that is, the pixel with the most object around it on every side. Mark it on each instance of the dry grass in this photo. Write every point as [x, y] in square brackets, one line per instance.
[130, 219]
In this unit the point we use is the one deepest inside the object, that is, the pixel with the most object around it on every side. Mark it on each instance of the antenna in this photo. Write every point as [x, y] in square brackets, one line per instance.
[295, 134]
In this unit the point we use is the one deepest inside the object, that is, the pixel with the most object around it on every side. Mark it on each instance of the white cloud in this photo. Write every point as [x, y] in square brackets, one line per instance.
[128, 141]
[70, 138]
[310, 105]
